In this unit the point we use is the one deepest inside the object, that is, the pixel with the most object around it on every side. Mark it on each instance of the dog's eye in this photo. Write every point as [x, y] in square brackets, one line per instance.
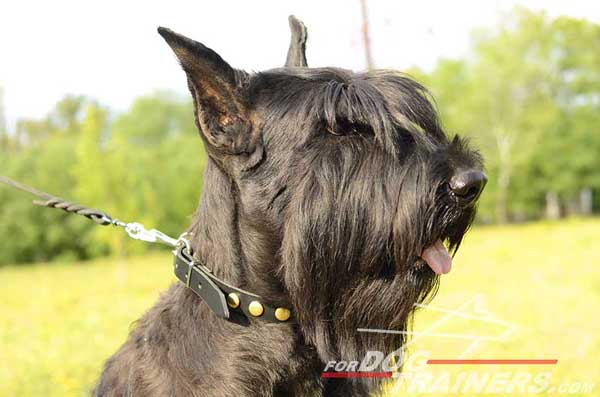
[344, 126]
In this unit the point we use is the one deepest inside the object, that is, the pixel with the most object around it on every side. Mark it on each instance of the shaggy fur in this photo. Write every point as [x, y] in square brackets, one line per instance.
[322, 188]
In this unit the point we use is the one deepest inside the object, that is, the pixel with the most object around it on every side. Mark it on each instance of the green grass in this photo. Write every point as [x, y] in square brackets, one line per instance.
[59, 322]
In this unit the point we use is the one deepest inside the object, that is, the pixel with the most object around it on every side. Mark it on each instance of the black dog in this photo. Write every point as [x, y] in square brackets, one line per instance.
[332, 194]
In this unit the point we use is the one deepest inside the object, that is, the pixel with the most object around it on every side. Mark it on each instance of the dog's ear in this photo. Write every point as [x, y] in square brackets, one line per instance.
[296, 55]
[219, 100]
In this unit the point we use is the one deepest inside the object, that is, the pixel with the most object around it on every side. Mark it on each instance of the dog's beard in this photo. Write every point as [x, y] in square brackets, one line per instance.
[352, 251]
[333, 303]
[378, 305]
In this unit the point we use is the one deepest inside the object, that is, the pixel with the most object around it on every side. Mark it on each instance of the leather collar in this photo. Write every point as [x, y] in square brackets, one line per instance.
[226, 301]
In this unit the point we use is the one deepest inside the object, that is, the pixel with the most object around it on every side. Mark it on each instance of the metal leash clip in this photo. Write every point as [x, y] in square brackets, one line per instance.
[137, 231]
[183, 242]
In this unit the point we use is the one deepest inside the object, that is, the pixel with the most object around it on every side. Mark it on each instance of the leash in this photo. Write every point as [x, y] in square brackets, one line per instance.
[134, 230]
[226, 301]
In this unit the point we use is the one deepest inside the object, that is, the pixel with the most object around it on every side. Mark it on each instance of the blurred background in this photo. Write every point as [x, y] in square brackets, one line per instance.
[94, 108]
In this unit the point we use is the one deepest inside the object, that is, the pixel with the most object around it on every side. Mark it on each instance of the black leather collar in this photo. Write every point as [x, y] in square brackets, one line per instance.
[226, 301]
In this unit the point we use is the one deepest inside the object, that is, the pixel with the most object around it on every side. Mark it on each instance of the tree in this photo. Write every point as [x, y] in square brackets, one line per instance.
[130, 167]
[571, 151]
[92, 170]
[365, 34]
[154, 118]
[68, 114]
[143, 166]
[528, 96]
[4, 137]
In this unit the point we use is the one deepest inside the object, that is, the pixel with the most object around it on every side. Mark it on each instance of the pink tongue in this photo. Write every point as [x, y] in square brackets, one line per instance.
[437, 257]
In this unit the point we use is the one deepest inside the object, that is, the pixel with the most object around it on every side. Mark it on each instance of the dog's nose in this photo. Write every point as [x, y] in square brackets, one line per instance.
[467, 185]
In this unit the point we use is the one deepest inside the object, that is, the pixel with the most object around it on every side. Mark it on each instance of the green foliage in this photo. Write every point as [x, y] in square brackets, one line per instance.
[28, 233]
[144, 166]
[528, 96]
[154, 118]
[4, 138]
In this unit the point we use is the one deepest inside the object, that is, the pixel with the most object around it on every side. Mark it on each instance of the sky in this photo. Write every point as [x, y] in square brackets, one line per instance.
[110, 50]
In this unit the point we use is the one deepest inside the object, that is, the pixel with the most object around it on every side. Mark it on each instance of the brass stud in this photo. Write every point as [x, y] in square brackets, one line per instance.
[256, 308]
[282, 314]
[233, 300]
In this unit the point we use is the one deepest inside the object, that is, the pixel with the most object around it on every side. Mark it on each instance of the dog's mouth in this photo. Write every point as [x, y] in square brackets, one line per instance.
[437, 257]
[445, 239]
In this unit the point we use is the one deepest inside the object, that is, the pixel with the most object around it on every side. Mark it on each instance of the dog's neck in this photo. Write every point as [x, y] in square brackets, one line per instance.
[231, 244]
[214, 232]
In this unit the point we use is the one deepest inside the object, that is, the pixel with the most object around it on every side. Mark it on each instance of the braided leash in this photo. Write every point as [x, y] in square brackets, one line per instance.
[51, 201]
[134, 230]
[90, 213]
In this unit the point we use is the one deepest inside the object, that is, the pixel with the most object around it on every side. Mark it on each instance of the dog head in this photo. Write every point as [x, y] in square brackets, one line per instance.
[342, 194]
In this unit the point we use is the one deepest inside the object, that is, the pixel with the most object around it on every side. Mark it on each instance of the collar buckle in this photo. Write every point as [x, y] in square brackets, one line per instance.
[226, 301]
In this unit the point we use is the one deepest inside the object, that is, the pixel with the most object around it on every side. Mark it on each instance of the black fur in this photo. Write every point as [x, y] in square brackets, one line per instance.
[322, 189]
